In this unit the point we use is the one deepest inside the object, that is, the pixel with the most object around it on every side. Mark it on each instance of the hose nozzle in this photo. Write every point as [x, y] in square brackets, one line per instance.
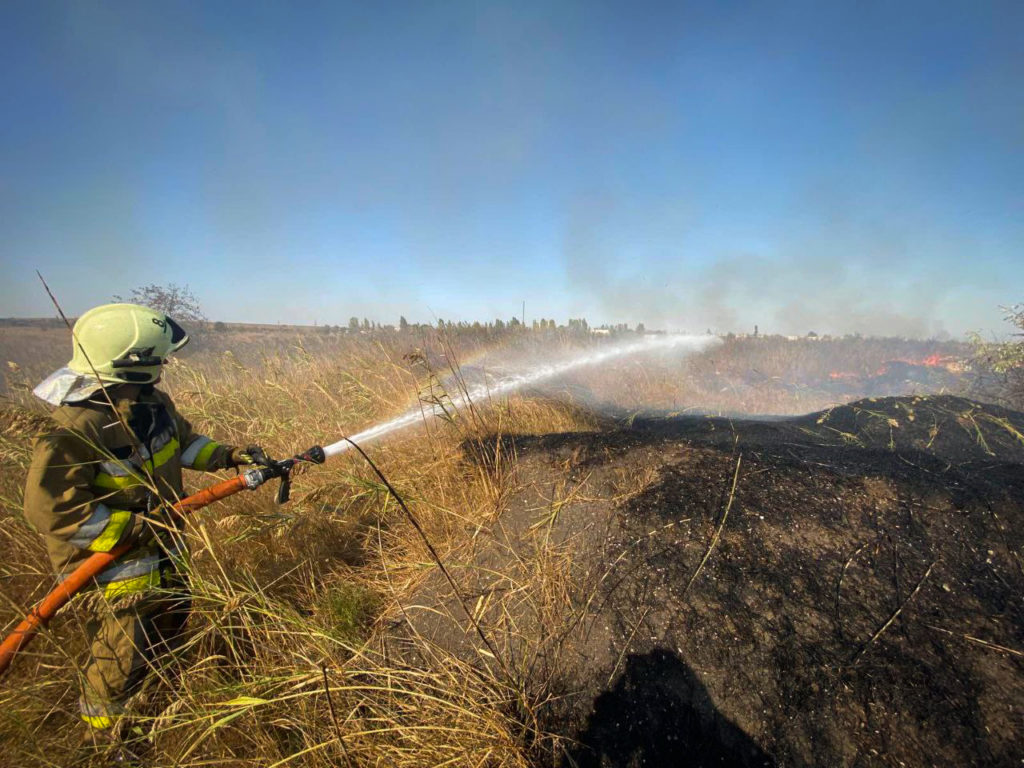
[267, 469]
[314, 455]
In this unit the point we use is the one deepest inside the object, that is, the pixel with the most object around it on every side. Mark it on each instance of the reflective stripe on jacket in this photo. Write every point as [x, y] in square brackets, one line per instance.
[91, 480]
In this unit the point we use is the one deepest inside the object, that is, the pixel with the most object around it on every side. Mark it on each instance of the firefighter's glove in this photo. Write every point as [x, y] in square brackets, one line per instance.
[251, 454]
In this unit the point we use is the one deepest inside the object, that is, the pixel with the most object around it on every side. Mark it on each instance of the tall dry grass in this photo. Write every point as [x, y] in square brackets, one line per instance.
[285, 663]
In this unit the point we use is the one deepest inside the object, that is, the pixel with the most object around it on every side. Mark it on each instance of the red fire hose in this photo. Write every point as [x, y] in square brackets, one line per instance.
[40, 616]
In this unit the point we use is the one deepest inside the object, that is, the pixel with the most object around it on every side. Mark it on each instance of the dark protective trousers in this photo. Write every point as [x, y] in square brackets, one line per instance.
[128, 636]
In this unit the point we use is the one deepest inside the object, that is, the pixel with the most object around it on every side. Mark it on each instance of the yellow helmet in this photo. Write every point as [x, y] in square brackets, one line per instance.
[124, 343]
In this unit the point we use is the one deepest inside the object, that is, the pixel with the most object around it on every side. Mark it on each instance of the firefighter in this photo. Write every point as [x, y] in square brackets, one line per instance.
[104, 475]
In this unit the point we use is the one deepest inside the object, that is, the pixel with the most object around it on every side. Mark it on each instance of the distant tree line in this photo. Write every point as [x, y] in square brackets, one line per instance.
[576, 325]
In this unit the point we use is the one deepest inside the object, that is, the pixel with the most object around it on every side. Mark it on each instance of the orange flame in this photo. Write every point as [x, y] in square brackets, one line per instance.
[931, 361]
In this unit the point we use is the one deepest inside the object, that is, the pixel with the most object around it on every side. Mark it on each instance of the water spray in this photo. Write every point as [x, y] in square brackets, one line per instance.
[508, 384]
[267, 470]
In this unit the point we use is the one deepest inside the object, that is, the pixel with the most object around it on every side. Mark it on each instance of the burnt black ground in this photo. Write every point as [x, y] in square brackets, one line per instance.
[863, 604]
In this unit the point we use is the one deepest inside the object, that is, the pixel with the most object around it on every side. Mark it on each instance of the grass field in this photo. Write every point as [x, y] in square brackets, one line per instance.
[287, 662]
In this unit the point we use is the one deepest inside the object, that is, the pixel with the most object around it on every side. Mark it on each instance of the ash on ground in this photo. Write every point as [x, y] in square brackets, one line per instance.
[844, 588]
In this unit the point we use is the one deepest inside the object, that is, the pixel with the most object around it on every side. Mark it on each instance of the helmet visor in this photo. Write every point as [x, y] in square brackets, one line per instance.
[178, 336]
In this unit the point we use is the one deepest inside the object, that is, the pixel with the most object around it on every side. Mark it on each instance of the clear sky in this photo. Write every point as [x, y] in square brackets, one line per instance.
[805, 166]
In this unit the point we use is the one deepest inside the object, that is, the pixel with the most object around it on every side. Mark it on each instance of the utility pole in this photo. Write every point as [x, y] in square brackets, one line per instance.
[524, 313]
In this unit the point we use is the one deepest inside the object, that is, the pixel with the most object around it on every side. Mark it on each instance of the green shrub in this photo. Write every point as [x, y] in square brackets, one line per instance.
[1000, 365]
[349, 610]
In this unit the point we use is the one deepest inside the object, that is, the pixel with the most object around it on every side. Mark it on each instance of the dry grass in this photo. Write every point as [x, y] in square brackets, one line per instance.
[287, 662]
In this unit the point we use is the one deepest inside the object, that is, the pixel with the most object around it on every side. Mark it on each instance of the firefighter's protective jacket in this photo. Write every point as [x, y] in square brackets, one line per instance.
[91, 481]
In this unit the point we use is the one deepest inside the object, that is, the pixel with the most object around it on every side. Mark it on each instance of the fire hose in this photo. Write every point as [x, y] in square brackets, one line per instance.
[95, 564]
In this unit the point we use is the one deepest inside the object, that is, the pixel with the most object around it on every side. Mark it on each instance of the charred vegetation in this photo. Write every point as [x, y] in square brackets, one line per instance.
[837, 589]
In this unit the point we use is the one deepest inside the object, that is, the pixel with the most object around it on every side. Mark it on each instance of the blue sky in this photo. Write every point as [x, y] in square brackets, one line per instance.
[804, 166]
